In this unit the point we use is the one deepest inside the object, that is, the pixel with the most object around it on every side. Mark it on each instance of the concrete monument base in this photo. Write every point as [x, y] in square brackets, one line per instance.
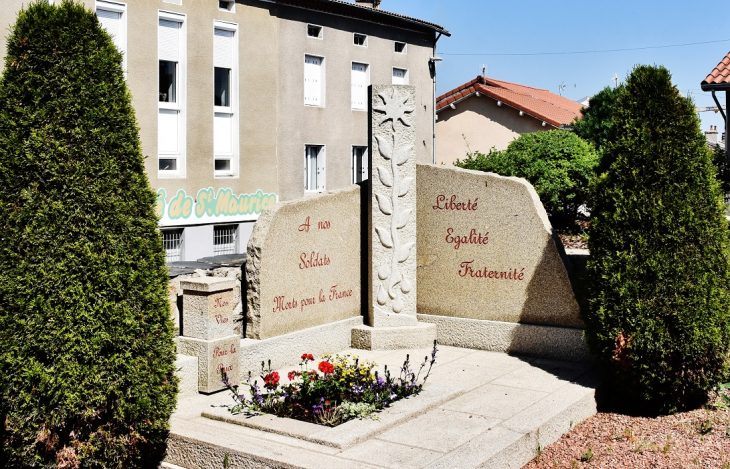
[560, 343]
[393, 338]
[186, 368]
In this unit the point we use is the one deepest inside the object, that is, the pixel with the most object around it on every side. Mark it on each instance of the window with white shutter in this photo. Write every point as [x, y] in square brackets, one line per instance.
[400, 76]
[313, 81]
[225, 122]
[113, 19]
[360, 79]
[359, 164]
[171, 95]
[314, 168]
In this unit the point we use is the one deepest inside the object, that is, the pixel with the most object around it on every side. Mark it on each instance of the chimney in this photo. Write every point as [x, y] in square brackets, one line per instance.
[711, 135]
[375, 4]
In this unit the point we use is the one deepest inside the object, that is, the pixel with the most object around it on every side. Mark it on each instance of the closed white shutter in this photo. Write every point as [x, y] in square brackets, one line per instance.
[168, 136]
[359, 91]
[168, 41]
[223, 49]
[222, 130]
[312, 80]
[400, 76]
[111, 21]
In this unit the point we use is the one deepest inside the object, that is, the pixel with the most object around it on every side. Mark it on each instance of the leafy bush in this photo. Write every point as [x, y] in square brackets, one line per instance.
[343, 389]
[86, 350]
[658, 310]
[594, 125]
[556, 162]
[721, 162]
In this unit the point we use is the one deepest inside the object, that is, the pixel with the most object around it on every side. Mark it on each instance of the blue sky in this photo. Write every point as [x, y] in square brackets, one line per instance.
[484, 27]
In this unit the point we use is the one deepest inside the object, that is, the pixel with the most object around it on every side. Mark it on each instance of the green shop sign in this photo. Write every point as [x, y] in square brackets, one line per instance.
[211, 207]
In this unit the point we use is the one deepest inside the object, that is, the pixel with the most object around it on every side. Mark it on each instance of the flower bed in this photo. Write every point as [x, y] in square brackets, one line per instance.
[341, 388]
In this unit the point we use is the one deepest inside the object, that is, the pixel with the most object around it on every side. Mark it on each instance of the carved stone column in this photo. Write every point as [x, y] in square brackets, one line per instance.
[392, 225]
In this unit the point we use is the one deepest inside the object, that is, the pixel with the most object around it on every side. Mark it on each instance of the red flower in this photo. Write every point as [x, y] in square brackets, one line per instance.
[271, 380]
[326, 367]
[307, 356]
[292, 375]
[313, 375]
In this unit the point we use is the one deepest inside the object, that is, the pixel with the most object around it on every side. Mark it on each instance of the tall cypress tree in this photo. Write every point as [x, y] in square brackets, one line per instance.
[86, 350]
[659, 307]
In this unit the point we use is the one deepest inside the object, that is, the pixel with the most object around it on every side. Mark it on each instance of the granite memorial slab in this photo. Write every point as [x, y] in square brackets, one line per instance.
[303, 264]
[486, 250]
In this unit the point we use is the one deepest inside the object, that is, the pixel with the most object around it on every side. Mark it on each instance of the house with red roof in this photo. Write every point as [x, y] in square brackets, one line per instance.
[719, 80]
[491, 113]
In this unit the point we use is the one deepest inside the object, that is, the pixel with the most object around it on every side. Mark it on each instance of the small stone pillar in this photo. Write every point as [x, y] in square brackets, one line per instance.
[208, 331]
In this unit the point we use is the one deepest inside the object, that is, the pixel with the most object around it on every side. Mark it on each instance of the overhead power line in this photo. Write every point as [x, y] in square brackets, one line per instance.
[590, 51]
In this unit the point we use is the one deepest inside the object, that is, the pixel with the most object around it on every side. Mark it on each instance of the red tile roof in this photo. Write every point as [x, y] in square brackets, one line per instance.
[541, 104]
[720, 75]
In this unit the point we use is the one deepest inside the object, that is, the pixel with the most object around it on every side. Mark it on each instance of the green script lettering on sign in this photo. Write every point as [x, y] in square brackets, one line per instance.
[208, 205]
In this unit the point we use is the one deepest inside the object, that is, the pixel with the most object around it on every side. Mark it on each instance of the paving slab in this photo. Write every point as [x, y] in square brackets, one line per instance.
[477, 409]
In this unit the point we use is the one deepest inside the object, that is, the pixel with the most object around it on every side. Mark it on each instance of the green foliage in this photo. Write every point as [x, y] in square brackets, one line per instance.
[721, 162]
[595, 124]
[556, 162]
[658, 303]
[86, 351]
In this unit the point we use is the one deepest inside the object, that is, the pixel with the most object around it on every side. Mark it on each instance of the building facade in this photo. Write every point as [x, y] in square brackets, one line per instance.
[485, 113]
[243, 103]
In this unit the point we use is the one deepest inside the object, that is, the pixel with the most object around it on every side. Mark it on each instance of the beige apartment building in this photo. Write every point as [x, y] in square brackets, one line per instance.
[243, 103]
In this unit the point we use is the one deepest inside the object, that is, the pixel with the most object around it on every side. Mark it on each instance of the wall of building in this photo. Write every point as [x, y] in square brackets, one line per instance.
[274, 124]
[484, 124]
[336, 125]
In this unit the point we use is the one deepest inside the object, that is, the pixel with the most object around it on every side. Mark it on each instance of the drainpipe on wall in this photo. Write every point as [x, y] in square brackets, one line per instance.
[432, 65]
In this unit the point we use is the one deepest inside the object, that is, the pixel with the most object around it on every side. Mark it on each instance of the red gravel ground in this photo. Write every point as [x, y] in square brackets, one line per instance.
[694, 439]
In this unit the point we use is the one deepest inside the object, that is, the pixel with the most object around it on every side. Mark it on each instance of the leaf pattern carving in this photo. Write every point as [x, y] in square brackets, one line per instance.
[385, 177]
[397, 109]
[403, 154]
[384, 204]
[384, 147]
[403, 252]
[403, 218]
[405, 186]
[382, 295]
[385, 238]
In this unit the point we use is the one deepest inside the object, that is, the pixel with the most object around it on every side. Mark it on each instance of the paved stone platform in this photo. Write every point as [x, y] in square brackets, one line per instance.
[478, 409]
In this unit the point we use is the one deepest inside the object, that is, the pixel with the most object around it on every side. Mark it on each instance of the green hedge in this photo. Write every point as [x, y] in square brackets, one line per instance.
[557, 163]
[658, 318]
[86, 350]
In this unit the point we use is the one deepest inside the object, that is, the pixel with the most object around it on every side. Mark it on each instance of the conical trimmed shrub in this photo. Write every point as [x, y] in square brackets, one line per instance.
[659, 305]
[86, 350]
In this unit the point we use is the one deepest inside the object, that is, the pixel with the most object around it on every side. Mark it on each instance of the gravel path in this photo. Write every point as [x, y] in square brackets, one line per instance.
[693, 439]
